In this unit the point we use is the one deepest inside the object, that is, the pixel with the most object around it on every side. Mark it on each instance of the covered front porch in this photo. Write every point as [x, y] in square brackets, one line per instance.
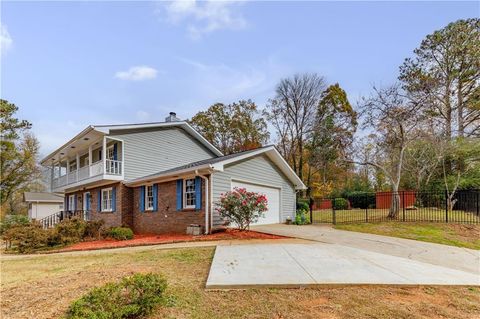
[88, 158]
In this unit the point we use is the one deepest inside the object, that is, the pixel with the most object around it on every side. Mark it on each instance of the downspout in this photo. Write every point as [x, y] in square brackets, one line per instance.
[207, 200]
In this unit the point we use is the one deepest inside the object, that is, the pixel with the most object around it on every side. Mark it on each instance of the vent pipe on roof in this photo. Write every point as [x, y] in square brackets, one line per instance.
[172, 117]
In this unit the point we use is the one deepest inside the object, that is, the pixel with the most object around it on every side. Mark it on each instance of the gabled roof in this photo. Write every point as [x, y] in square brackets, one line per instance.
[218, 163]
[43, 197]
[100, 130]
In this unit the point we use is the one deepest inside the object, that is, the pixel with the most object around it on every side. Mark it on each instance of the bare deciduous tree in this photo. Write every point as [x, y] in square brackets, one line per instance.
[292, 113]
[389, 114]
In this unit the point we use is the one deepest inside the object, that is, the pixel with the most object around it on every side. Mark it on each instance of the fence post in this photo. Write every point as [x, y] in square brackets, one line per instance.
[334, 217]
[366, 207]
[403, 204]
[446, 206]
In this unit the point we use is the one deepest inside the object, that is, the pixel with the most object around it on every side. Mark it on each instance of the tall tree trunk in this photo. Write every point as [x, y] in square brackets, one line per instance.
[460, 119]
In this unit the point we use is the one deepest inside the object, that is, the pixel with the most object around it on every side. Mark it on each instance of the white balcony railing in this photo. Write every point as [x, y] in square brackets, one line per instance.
[112, 167]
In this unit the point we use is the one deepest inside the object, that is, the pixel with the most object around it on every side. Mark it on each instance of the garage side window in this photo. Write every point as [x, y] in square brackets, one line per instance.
[189, 193]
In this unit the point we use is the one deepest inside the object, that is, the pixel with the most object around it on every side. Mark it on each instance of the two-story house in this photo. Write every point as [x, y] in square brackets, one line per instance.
[162, 177]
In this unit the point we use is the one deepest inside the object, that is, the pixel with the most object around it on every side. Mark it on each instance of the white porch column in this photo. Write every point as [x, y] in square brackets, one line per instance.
[52, 176]
[68, 168]
[104, 154]
[78, 164]
[90, 160]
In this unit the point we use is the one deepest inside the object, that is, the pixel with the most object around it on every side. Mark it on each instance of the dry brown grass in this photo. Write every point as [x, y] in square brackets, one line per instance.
[44, 286]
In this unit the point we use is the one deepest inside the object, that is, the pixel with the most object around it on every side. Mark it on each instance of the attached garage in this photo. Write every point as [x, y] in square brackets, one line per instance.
[272, 216]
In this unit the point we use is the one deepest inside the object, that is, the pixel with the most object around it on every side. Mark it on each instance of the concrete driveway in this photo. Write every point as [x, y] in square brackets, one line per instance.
[340, 257]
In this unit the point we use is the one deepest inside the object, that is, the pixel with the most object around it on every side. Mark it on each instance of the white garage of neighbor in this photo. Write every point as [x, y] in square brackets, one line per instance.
[272, 215]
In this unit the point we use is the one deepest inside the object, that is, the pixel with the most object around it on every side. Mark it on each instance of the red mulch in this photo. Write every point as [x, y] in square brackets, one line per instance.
[144, 240]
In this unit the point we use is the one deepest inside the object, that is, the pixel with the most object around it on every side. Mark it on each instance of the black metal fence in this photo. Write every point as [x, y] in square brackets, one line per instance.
[52, 220]
[405, 206]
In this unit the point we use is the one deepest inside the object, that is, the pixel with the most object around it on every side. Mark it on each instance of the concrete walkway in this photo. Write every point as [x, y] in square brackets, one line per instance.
[436, 254]
[340, 257]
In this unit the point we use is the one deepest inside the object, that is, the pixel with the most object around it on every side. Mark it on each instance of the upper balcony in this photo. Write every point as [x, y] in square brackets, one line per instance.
[87, 160]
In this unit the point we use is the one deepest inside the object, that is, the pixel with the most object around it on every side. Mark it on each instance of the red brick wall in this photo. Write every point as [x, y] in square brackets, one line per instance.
[166, 219]
[123, 211]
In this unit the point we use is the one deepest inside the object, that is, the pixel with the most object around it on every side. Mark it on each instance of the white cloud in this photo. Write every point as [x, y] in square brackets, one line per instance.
[5, 39]
[205, 17]
[137, 73]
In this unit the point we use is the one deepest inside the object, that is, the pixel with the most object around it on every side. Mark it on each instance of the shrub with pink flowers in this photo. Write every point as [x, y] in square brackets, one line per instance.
[241, 207]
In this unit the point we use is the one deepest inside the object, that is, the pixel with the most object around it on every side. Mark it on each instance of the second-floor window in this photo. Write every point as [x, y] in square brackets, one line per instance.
[107, 199]
[189, 193]
[149, 197]
[110, 153]
[73, 166]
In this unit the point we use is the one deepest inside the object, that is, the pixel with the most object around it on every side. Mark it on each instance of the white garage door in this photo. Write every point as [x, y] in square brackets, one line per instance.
[272, 216]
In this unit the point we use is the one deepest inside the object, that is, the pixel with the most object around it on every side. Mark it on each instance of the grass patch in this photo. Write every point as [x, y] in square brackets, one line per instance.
[467, 236]
[44, 286]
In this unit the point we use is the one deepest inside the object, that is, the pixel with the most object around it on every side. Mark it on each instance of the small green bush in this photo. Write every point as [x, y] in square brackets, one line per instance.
[303, 204]
[340, 203]
[27, 238]
[120, 233]
[132, 297]
[12, 221]
[302, 217]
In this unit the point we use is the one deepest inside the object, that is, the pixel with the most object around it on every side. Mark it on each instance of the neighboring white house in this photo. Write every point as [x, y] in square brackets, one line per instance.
[41, 205]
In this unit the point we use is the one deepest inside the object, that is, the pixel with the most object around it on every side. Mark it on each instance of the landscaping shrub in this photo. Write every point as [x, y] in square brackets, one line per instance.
[302, 217]
[69, 231]
[242, 207]
[94, 229]
[303, 204]
[133, 297]
[12, 221]
[27, 238]
[340, 204]
[360, 199]
[120, 233]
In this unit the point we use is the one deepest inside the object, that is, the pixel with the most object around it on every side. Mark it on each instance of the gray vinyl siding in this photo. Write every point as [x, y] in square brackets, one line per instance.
[257, 170]
[150, 151]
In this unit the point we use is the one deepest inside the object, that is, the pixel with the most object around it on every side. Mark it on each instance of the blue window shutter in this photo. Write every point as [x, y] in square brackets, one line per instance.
[155, 197]
[142, 198]
[179, 193]
[198, 192]
[75, 202]
[115, 151]
[114, 199]
[99, 201]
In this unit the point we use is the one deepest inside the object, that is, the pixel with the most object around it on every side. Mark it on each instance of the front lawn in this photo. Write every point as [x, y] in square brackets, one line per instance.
[448, 234]
[44, 286]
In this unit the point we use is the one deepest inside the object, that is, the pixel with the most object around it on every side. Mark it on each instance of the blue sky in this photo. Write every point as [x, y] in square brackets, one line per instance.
[71, 64]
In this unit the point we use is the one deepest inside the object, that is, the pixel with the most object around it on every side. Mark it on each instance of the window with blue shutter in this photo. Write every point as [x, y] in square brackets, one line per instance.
[155, 197]
[198, 193]
[75, 202]
[99, 201]
[115, 151]
[179, 193]
[142, 198]
[114, 199]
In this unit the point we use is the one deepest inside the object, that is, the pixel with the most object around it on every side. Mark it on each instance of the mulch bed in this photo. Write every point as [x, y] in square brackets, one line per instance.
[145, 240]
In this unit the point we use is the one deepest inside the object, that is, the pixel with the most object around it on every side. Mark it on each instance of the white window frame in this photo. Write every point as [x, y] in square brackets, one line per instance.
[107, 206]
[86, 161]
[146, 199]
[185, 193]
[110, 148]
[71, 202]
[72, 165]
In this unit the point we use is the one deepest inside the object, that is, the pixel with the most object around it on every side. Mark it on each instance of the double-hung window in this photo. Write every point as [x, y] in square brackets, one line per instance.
[189, 193]
[107, 199]
[71, 202]
[149, 197]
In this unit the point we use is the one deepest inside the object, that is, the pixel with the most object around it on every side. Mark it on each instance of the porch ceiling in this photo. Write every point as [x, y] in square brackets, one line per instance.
[78, 144]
